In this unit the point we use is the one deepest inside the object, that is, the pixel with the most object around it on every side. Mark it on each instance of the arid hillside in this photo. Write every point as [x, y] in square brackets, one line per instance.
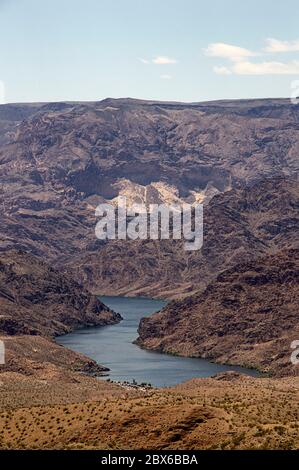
[87, 147]
[248, 316]
[236, 300]
[225, 412]
[37, 303]
[37, 299]
[241, 224]
[59, 160]
[240, 158]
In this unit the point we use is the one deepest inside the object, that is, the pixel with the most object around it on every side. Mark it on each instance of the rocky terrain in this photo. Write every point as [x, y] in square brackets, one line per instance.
[240, 224]
[42, 359]
[236, 300]
[37, 303]
[248, 316]
[59, 160]
[225, 412]
[36, 299]
[87, 147]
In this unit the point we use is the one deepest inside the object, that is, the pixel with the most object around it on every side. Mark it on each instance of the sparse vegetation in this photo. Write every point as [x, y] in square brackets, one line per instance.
[239, 413]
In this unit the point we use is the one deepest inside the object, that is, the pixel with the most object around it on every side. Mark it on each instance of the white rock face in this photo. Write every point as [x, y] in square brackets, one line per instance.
[159, 192]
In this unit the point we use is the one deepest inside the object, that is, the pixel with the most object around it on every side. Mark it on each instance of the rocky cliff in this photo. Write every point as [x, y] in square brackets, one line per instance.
[36, 299]
[248, 315]
[37, 302]
[59, 160]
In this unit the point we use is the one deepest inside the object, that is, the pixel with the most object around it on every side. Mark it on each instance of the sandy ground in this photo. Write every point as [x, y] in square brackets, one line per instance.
[226, 412]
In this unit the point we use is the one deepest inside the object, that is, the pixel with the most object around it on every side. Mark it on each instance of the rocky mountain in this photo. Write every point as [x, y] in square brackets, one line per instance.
[238, 296]
[10, 117]
[37, 302]
[248, 315]
[239, 224]
[36, 299]
[87, 147]
[59, 160]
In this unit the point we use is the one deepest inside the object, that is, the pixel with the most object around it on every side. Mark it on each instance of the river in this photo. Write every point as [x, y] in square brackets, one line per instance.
[112, 347]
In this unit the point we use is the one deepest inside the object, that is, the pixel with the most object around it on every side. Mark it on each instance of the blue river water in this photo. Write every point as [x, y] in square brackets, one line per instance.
[112, 346]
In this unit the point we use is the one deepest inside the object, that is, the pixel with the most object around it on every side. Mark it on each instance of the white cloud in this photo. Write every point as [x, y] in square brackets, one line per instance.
[266, 68]
[262, 68]
[228, 51]
[163, 60]
[166, 77]
[242, 65]
[220, 70]
[275, 45]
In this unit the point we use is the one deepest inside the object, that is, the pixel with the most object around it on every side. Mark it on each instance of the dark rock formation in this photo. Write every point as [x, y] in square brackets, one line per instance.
[248, 315]
[36, 299]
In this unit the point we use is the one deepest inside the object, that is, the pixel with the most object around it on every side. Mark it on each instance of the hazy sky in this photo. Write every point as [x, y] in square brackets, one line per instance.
[185, 50]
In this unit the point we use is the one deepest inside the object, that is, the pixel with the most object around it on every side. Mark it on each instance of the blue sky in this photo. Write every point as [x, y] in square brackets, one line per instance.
[183, 50]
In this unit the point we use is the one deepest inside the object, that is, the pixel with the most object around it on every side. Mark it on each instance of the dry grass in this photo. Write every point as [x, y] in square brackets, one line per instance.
[239, 413]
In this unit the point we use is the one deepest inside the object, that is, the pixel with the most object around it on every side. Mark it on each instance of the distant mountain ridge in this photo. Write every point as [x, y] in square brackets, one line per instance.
[59, 160]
